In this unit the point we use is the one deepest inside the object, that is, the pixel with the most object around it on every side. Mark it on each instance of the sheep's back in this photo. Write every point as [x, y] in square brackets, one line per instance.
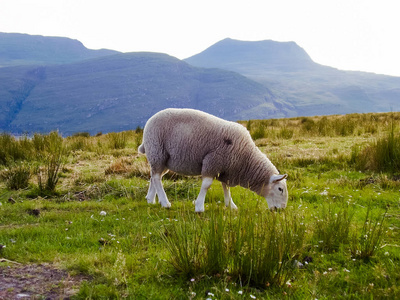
[187, 136]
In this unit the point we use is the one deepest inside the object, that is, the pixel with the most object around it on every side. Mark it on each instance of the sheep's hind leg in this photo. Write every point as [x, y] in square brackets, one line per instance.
[205, 185]
[227, 196]
[162, 197]
[151, 194]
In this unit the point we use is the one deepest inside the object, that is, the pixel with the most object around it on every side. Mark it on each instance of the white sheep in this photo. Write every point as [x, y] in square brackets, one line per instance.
[191, 142]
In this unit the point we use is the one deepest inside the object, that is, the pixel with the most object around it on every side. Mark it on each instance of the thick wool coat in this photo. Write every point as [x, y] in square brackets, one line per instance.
[192, 142]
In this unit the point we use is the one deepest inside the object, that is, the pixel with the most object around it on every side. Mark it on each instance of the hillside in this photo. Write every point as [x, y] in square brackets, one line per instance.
[24, 49]
[306, 87]
[120, 92]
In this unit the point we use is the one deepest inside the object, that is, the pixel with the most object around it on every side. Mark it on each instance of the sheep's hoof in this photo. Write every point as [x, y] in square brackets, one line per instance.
[166, 205]
[151, 200]
[233, 207]
[199, 210]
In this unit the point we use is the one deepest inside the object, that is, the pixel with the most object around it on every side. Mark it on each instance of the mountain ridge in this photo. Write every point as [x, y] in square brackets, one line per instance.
[307, 87]
[78, 89]
[121, 91]
[23, 49]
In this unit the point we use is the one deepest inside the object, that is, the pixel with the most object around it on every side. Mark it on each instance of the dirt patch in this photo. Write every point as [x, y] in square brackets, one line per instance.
[37, 282]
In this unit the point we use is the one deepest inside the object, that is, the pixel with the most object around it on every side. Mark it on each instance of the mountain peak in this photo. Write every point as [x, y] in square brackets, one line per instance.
[233, 54]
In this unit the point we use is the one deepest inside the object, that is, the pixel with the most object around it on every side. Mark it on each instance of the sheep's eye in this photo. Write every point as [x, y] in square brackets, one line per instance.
[280, 189]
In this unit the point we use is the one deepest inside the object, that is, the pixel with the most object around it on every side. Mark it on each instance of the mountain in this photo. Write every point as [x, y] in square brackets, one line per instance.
[120, 92]
[250, 57]
[23, 49]
[303, 86]
[50, 83]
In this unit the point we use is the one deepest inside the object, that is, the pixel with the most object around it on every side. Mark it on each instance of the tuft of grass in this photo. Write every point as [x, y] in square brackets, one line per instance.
[17, 177]
[259, 132]
[13, 150]
[256, 251]
[332, 227]
[52, 158]
[380, 156]
[368, 241]
[117, 140]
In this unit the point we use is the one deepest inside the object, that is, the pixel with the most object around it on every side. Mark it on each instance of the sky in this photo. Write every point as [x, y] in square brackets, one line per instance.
[359, 35]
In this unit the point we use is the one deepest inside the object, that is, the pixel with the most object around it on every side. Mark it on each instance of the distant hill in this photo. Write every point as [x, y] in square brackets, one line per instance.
[303, 86]
[24, 49]
[120, 92]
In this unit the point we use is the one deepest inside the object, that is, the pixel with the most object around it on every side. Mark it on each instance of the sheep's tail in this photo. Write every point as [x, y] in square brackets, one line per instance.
[141, 149]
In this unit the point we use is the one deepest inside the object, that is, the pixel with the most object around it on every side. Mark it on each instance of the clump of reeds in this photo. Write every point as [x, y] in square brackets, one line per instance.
[368, 241]
[257, 250]
[332, 227]
[383, 155]
[51, 158]
[17, 177]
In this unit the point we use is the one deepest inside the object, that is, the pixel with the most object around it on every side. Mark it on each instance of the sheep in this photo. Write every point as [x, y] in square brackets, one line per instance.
[192, 142]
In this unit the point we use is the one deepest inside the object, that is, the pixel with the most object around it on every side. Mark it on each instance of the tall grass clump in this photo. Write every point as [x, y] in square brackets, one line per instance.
[285, 133]
[51, 158]
[185, 243]
[367, 241]
[256, 250]
[117, 140]
[383, 155]
[259, 132]
[332, 228]
[264, 246]
[17, 177]
[13, 150]
[79, 142]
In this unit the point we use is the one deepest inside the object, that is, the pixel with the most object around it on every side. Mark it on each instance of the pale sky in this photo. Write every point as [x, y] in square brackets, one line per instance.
[362, 35]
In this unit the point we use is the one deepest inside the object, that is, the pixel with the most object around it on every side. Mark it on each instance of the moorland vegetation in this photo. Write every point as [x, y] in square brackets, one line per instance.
[78, 204]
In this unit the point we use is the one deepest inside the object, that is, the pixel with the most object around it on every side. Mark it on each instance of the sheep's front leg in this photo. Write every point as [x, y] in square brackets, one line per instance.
[162, 197]
[205, 185]
[227, 197]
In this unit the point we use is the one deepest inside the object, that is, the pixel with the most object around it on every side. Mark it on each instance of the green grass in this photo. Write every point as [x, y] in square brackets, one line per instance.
[338, 237]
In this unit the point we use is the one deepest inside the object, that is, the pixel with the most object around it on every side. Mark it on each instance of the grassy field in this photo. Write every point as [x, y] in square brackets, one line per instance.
[77, 205]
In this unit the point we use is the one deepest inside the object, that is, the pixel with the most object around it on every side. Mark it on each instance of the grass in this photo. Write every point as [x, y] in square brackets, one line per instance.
[338, 236]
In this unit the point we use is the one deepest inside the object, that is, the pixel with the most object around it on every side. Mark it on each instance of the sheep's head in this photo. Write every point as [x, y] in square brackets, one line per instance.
[276, 192]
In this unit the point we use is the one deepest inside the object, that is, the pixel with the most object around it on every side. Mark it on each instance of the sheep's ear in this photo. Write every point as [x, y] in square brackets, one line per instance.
[276, 178]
